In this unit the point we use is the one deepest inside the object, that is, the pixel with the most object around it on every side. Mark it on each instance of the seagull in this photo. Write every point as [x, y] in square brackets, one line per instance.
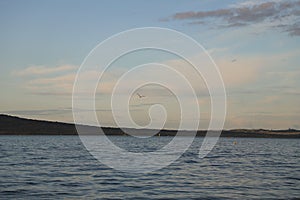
[140, 96]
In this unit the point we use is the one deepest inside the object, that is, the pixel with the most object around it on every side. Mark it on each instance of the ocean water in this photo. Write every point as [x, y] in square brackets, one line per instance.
[58, 167]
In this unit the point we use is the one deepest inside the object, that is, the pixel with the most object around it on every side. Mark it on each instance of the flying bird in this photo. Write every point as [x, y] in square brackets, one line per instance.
[140, 96]
[233, 60]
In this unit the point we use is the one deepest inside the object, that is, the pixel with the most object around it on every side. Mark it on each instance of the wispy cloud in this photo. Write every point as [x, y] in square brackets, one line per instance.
[43, 70]
[46, 80]
[277, 14]
[58, 111]
[58, 83]
[59, 80]
[243, 70]
[43, 112]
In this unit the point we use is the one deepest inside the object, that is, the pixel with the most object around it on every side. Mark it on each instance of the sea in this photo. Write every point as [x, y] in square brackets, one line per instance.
[60, 167]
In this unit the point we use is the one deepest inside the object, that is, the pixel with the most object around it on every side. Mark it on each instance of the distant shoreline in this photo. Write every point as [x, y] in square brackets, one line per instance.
[12, 125]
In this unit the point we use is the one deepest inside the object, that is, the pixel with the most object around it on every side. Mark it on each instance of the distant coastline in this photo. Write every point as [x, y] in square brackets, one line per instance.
[12, 125]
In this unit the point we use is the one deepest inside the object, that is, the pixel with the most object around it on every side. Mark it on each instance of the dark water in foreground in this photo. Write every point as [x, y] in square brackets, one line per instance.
[56, 167]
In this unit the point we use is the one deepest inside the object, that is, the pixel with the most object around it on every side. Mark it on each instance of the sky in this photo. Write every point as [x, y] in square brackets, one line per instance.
[254, 43]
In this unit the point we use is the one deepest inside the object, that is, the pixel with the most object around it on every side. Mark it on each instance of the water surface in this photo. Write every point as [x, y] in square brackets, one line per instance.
[36, 167]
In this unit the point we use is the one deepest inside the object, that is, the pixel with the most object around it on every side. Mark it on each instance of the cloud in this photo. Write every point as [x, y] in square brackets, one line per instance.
[279, 14]
[59, 81]
[294, 29]
[235, 74]
[57, 111]
[63, 82]
[45, 80]
[244, 70]
[43, 70]
[43, 112]
[269, 99]
[241, 79]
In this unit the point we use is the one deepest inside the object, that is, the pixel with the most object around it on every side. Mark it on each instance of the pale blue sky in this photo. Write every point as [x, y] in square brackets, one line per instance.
[255, 43]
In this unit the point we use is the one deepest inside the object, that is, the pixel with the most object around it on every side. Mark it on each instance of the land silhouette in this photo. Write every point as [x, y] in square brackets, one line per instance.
[12, 125]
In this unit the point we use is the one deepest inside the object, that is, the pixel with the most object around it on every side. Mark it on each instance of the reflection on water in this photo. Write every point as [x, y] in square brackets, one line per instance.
[60, 167]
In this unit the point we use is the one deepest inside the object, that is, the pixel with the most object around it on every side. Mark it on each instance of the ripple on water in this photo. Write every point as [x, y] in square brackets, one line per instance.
[60, 167]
